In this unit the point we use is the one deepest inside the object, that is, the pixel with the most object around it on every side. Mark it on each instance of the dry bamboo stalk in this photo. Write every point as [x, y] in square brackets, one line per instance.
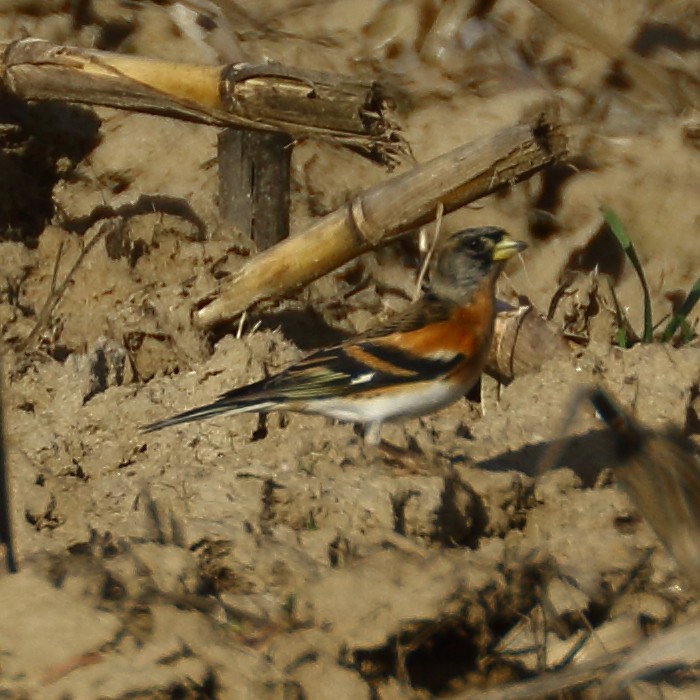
[266, 97]
[402, 203]
[652, 77]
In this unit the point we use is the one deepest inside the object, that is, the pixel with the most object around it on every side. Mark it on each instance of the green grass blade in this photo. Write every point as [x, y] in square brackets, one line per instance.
[678, 319]
[613, 221]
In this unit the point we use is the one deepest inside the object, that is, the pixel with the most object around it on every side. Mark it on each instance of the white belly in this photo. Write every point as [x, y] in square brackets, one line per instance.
[416, 400]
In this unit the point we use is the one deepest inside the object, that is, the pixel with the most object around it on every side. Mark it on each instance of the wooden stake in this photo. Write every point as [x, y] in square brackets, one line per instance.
[254, 174]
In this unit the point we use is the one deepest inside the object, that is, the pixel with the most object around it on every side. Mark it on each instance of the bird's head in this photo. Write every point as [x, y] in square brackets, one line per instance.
[469, 258]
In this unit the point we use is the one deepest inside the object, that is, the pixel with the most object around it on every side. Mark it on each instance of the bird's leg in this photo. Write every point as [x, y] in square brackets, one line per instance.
[373, 433]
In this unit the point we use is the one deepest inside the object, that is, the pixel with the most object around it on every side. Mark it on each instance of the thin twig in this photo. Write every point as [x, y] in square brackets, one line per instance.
[56, 293]
[56, 265]
[436, 234]
[5, 509]
[241, 323]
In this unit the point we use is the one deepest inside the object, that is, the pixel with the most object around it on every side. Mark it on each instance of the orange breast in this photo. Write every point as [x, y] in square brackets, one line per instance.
[468, 331]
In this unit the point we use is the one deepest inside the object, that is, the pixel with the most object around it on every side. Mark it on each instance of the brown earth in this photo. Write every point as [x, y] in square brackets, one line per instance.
[280, 558]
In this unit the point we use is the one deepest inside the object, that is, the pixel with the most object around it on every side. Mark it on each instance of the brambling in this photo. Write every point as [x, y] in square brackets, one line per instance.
[418, 362]
[660, 472]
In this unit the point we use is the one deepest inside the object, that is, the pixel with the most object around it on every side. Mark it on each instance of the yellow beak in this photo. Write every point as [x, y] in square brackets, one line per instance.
[506, 248]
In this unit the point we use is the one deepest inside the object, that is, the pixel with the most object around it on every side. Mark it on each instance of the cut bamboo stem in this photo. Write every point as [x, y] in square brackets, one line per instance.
[267, 97]
[386, 210]
[523, 340]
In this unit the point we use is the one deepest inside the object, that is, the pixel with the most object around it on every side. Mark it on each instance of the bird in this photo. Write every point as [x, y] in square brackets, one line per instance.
[418, 362]
[660, 472]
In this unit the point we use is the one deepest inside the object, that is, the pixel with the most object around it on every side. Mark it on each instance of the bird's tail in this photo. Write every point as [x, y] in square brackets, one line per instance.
[222, 405]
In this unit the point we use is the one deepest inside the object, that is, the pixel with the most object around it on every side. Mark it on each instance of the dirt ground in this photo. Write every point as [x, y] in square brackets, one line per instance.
[280, 557]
